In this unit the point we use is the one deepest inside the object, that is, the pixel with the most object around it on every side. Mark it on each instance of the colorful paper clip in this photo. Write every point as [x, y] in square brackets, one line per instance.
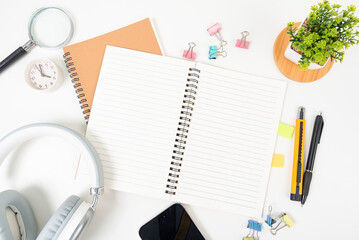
[284, 221]
[189, 54]
[215, 30]
[254, 228]
[269, 220]
[243, 43]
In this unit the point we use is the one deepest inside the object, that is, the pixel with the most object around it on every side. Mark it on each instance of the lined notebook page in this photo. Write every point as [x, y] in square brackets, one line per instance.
[134, 119]
[231, 141]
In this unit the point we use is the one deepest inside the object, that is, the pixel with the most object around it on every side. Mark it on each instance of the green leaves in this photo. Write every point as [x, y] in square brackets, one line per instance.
[352, 8]
[304, 63]
[318, 57]
[332, 32]
[339, 19]
[337, 45]
[308, 40]
[326, 33]
[322, 44]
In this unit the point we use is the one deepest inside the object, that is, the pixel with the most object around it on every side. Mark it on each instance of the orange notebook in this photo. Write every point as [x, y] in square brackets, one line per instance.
[84, 59]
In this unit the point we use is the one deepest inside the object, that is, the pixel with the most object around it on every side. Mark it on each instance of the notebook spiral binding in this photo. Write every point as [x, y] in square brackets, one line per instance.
[183, 129]
[71, 69]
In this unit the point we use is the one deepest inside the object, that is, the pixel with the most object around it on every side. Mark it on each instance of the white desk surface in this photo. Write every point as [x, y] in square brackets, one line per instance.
[43, 169]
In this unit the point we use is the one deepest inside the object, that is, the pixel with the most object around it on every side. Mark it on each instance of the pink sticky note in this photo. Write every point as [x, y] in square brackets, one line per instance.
[241, 45]
[214, 29]
[187, 54]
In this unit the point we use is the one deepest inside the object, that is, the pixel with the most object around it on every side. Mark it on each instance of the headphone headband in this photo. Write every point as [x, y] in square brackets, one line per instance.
[28, 132]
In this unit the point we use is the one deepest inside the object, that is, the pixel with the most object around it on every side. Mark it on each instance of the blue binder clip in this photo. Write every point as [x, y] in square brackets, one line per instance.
[214, 52]
[254, 228]
[269, 220]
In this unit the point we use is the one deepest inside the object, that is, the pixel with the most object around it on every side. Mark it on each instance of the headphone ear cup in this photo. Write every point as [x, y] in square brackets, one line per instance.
[60, 218]
[78, 223]
[24, 225]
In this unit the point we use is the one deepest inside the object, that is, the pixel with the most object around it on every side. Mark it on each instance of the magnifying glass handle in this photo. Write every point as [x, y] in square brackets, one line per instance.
[16, 55]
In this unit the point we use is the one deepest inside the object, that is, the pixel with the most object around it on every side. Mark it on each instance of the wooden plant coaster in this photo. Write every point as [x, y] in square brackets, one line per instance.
[290, 69]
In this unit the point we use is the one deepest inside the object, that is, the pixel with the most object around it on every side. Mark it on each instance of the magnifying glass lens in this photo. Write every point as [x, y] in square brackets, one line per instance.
[50, 28]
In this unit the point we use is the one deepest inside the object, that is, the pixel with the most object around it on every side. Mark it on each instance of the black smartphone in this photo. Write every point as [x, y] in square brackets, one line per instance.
[174, 223]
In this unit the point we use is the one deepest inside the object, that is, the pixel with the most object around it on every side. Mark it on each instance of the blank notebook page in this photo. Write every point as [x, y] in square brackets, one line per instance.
[231, 140]
[134, 119]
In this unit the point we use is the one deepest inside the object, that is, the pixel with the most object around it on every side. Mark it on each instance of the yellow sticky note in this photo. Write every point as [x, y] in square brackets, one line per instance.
[285, 130]
[278, 160]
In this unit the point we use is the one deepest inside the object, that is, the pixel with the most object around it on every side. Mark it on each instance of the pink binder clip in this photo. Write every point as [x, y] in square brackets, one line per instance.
[214, 30]
[189, 54]
[243, 43]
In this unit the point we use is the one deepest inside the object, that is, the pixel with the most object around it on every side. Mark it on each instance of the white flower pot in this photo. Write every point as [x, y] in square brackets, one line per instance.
[295, 57]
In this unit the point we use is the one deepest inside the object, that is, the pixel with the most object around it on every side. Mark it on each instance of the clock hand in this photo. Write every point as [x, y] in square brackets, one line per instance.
[42, 72]
[39, 70]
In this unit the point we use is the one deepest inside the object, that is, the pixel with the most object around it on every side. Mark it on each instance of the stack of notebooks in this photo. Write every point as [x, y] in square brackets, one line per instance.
[184, 131]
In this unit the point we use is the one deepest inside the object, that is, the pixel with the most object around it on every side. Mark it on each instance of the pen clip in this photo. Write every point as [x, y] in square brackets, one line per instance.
[320, 128]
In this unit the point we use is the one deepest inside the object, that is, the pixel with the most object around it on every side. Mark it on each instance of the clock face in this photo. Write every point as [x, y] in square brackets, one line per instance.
[43, 75]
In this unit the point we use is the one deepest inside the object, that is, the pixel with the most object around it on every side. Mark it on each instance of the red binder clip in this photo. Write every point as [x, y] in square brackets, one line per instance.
[189, 54]
[243, 43]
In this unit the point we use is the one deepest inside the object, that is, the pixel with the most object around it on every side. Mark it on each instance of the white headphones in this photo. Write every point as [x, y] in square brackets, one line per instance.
[73, 216]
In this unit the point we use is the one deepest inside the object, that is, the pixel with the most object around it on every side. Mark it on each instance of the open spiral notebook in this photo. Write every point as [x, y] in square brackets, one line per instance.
[185, 131]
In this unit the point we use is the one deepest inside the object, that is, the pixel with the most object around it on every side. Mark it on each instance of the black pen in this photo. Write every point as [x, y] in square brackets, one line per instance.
[317, 133]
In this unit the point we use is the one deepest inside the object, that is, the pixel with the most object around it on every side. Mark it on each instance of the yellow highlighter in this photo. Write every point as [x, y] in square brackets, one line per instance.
[298, 157]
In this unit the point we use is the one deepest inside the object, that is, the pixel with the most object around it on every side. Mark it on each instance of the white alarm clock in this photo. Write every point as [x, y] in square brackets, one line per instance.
[43, 75]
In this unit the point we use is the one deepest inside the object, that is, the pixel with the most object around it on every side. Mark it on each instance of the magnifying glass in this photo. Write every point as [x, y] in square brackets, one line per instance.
[49, 27]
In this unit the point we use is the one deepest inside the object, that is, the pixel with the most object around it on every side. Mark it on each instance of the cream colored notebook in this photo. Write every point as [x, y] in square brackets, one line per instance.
[187, 132]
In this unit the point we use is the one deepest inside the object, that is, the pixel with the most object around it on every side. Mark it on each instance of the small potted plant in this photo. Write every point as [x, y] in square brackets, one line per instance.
[322, 36]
